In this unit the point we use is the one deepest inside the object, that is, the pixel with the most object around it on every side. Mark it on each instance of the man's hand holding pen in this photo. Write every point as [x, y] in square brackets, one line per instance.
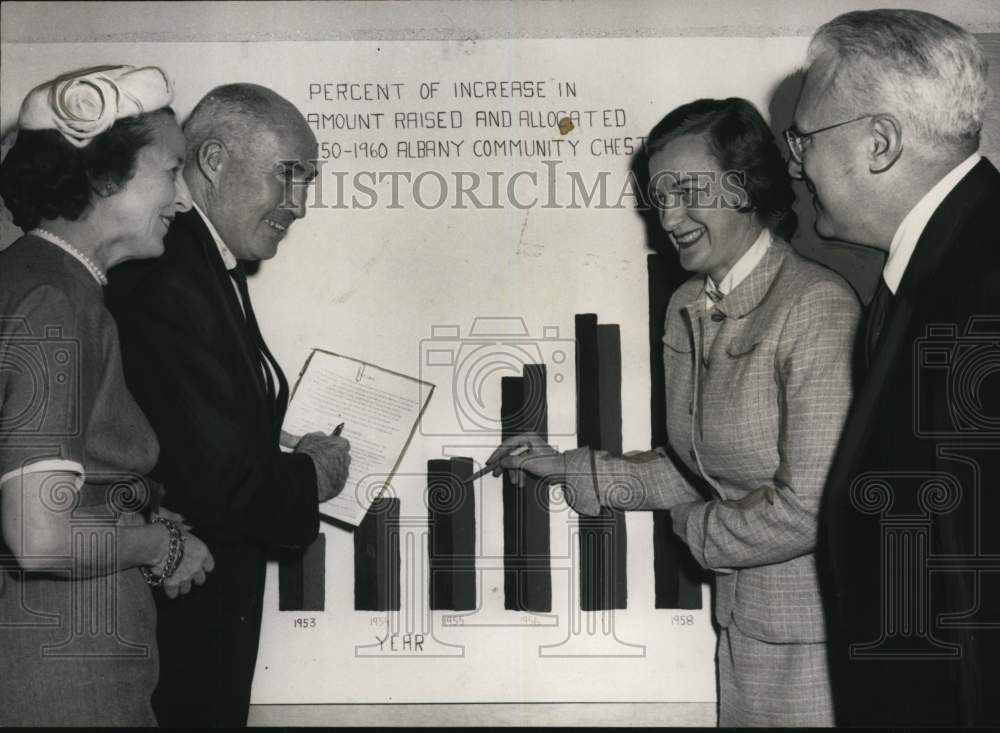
[331, 455]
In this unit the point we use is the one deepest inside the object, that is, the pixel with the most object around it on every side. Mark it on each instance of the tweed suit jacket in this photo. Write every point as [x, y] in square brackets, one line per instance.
[757, 391]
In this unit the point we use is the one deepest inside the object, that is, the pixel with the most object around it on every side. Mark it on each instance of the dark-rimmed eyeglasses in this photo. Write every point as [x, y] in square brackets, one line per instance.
[796, 140]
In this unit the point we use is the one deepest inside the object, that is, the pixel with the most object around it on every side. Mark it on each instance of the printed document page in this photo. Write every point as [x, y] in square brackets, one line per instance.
[380, 410]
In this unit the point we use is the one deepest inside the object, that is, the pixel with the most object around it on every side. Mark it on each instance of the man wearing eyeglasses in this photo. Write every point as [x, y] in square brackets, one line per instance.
[885, 137]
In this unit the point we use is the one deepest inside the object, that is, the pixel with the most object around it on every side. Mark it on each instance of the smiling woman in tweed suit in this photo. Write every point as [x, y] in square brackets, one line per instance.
[757, 351]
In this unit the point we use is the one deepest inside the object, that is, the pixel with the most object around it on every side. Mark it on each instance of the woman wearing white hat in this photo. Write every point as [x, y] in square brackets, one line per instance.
[93, 179]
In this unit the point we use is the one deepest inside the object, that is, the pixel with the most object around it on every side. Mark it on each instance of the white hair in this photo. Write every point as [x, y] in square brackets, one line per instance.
[233, 113]
[927, 71]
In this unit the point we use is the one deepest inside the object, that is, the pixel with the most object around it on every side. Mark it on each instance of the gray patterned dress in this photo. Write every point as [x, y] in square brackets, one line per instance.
[73, 650]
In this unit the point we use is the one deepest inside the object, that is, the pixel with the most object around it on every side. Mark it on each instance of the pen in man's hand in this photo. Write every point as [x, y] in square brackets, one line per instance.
[488, 468]
[339, 429]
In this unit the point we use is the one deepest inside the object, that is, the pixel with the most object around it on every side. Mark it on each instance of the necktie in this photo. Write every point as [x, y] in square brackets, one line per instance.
[712, 290]
[267, 361]
[711, 324]
[877, 312]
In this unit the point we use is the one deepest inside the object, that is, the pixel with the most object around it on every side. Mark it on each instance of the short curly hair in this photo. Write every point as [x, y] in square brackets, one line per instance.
[740, 140]
[45, 177]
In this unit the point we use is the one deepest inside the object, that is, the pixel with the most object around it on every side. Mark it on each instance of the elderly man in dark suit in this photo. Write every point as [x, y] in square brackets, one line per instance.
[199, 368]
[886, 135]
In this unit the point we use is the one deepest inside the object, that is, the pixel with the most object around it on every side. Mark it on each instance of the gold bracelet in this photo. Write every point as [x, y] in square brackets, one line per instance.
[175, 553]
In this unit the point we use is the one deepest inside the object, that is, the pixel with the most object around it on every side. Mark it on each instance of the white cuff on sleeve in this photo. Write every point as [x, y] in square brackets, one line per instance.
[45, 465]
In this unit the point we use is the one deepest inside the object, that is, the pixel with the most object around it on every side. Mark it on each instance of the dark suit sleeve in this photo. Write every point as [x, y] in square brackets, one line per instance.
[219, 456]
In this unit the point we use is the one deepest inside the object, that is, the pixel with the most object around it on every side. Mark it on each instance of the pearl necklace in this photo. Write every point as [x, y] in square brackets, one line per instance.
[62, 244]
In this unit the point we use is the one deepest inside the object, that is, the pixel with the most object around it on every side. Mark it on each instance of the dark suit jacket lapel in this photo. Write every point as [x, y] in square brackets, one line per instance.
[282, 397]
[281, 393]
[229, 304]
[939, 238]
[937, 241]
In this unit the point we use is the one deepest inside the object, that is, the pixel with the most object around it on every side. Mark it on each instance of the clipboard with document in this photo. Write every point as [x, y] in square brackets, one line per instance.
[380, 410]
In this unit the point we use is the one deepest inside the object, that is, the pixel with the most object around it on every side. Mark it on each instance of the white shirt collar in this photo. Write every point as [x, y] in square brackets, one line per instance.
[743, 267]
[228, 259]
[904, 241]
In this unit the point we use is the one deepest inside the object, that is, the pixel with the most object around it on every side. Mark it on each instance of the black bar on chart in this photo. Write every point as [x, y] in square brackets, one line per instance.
[678, 577]
[376, 558]
[603, 539]
[302, 578]
[527, 567]
[452, 534]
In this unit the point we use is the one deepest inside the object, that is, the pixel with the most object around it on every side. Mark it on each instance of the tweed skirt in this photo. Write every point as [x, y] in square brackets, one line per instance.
[776, 685]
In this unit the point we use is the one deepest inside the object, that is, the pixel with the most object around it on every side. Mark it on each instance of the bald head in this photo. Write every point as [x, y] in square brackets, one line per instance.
[234, 113]
[250, 152]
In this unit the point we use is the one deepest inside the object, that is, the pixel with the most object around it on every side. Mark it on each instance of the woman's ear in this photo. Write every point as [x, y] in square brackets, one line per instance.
[104, 188]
